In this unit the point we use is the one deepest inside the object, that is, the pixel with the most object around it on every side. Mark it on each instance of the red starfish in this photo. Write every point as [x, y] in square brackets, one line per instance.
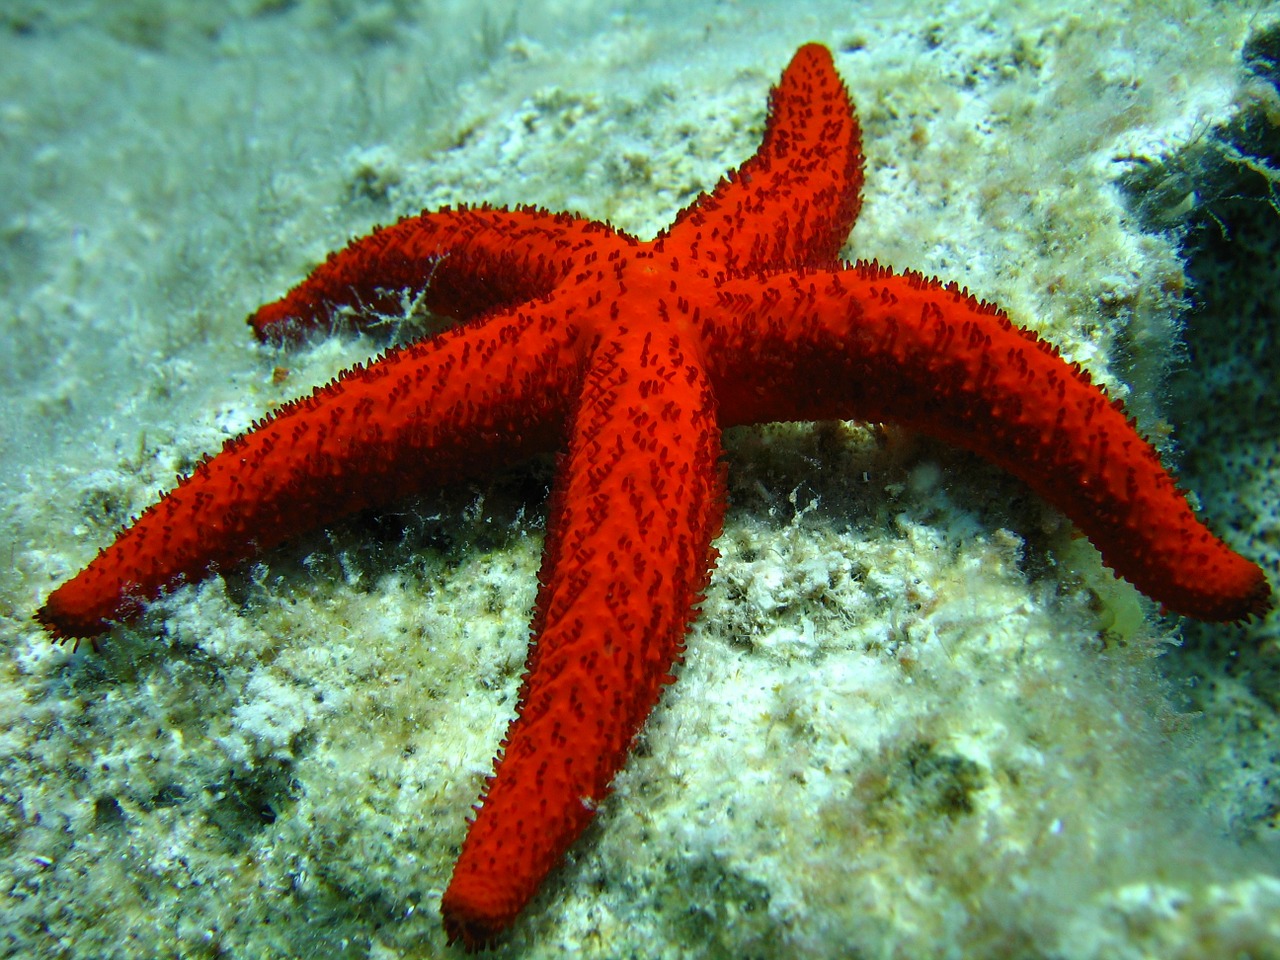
[631, 357]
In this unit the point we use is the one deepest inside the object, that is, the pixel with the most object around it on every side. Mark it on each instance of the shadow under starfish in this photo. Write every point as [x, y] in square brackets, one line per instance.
[630, 357]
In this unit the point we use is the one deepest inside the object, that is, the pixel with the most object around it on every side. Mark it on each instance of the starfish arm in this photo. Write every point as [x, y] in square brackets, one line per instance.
[628, 554]
[868, 344]
[463, 263]
[797, 198]
[463, 402]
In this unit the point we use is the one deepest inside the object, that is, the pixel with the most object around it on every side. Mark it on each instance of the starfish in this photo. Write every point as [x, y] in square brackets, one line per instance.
[630, 358]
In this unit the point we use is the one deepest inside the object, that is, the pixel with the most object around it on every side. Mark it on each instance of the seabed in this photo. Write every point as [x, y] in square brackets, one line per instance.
[917, 717]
